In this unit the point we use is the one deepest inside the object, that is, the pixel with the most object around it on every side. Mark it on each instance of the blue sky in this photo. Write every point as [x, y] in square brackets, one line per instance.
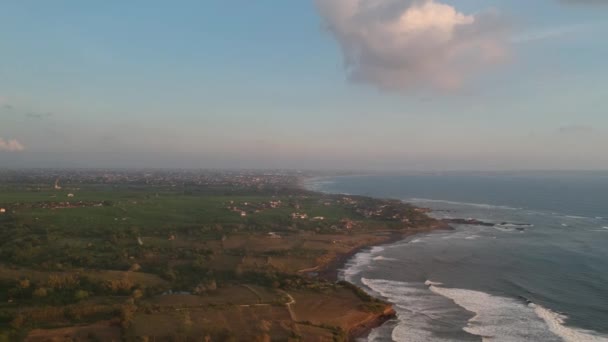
[265, 84]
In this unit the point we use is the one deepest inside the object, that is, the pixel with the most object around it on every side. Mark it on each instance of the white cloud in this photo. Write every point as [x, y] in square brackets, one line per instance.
[11, 145]
[400, 44]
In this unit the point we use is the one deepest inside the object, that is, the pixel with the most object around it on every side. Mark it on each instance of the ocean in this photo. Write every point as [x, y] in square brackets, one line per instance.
[539, 274]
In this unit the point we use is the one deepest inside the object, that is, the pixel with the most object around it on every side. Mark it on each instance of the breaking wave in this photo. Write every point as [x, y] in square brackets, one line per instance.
[380, 258]
[506, 319]
[360, 262]
[556, 323]
[419, 312]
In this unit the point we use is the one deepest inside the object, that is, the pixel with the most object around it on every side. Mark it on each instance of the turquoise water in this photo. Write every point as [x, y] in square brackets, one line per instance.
[545, 282]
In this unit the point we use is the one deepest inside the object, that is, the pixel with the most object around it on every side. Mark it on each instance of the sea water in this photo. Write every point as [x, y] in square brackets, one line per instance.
[540, 274]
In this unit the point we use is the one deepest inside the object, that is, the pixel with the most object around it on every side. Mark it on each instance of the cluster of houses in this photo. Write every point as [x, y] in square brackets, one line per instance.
[247, 207]
[299, 216]
[347, 224]
[384, 211]
[348, 200]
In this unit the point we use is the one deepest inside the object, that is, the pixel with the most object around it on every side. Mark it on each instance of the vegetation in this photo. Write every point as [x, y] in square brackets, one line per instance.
[96, 252]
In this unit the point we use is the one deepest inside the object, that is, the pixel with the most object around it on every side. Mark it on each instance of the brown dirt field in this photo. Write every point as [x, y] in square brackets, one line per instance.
[338, 308]
[103, 331]
[291, 264]
[314, 334]
[237, 295]
[245, 323]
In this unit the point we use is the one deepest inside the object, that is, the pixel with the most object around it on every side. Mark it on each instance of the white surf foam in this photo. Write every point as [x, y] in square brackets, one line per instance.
[505, 319]
[419, 311]
[468, 204]
[434, 283]
[361, 262]
[497, 318]
[417, 241]
[556, 321]
[381, 258]
[357, 264]
[472, 237]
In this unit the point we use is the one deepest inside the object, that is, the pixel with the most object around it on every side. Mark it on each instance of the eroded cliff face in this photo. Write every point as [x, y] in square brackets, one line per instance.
[373, 320]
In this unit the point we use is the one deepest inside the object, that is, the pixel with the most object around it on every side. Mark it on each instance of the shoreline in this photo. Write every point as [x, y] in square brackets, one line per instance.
[330, 271]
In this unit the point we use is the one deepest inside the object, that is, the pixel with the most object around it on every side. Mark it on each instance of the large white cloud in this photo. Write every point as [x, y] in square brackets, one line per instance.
[11, 145]
[399, 44]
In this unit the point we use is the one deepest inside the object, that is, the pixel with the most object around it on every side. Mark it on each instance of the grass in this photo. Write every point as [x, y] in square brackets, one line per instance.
[173, 239]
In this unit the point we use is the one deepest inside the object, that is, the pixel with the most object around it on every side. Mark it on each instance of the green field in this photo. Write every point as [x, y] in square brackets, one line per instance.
[84, 255]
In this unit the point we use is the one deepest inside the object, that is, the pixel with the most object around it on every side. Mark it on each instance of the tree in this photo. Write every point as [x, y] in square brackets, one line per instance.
[80, 295]
[40, 292]
[24, 283]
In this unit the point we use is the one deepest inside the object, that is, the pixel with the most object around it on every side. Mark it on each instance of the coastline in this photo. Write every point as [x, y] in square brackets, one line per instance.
[331, 270]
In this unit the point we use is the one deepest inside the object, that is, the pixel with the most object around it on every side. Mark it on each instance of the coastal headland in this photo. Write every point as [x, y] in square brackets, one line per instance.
[184, 255]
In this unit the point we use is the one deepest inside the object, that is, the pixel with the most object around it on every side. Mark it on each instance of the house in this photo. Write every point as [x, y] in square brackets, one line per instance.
[318, 218]
[243, 213]
[70, 195]
[274, 235]
[347, 224]
[299, 216]
[2, 210]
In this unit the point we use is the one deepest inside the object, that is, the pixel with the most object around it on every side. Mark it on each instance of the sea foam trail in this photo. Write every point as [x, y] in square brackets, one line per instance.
[361, 262]
[420, 313]
[468, 204]
[497, 318]
[505, 319]
[556, 321]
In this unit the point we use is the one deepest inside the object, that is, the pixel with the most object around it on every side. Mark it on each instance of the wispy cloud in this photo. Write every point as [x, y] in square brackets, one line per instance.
[11, 145]
[549, 33]
[401, 44]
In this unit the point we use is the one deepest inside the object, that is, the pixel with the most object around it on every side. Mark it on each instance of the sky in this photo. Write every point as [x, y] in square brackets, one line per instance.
[305, 84]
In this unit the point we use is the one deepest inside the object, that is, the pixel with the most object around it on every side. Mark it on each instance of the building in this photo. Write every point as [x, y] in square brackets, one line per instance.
[2, 210]
[299, 216]
[274, 235]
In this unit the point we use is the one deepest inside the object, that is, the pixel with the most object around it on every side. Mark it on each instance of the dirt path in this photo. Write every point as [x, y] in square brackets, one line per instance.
[254, 292]
[291, 302]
